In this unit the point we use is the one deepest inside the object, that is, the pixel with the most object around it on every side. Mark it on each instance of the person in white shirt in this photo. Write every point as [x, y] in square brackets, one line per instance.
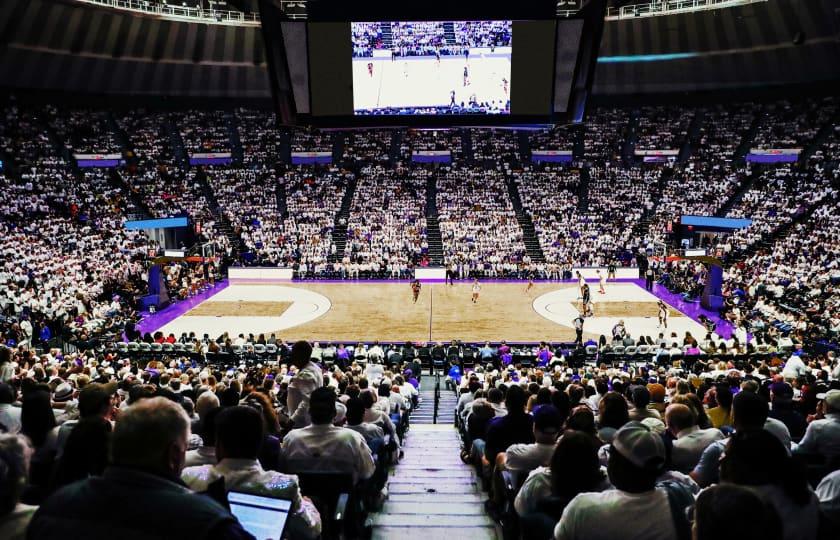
[822, 437]
[524, 458]
[690, 441]
[238, 441]
[323, 446]
[795, 367]
[9, 414]
[373, 434]
[206, 453]
[828, 492]
[307, 379]
[637, 509]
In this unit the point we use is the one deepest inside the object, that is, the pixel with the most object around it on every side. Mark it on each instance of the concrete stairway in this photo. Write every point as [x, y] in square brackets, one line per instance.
[433, 236]
[431, 493]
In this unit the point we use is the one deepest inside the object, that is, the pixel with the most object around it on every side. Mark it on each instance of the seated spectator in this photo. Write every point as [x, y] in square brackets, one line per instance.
[828, 492]
[139, 492]
[206, 453]
[721, 415]
[689, 439]
[559, 481]
[719, 515]
[757, 459]
[637, 508]
[749, 411]
[373, 434]
[323, 446]
[823, 434]
[612, 415]
[9, 414]
[640, 397]
[307, 378]
[515, 427]
[783, 409]
[524, 458]
[239, 435]
[14, 468]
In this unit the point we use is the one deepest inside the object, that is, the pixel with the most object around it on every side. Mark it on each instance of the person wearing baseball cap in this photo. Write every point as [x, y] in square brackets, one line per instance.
[638, 508]
[95, 402]
[823, 435]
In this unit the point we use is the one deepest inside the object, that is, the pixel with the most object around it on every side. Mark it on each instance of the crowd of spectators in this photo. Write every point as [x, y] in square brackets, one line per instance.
[84, 131]
[497, 148]
[792, 285]
[604, 133]
[368, 147]
[776, 197]
[550, 198]
[480, 233]
[786, 124]
[25, 141]
[418, 140]
[142, 438]
[203, 131]
[618, 198]
[260, 138]
[583, 452]
[555, 138]
[662, 128]
[429, 38]
[386, 230]
[302, 235]
[311, 140]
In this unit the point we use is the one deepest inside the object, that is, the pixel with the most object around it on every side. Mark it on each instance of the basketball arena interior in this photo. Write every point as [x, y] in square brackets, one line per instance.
[475, 270]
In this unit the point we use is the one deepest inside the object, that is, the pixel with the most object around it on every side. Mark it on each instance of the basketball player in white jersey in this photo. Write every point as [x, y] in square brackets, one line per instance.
[663, 314]
[476, 289]
[602, 280]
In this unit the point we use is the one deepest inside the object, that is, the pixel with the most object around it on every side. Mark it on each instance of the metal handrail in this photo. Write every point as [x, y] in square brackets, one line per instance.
[181, 13]
[655, 8]
[565, 8]
[437, 398]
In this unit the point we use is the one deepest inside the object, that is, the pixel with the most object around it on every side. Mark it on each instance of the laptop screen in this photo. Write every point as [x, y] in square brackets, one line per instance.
[264, 517]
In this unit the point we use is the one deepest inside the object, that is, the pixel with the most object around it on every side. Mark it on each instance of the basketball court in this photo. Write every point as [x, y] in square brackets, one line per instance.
[368, 311]
[423, 81]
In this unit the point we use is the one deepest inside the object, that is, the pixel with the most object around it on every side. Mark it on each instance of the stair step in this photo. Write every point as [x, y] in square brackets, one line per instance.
[450, 533]
[439, 498]
[429, 508]
[448, 489]
[431, 521]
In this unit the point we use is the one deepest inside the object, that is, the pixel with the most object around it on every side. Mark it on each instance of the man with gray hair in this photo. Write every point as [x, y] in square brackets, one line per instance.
[140, 494]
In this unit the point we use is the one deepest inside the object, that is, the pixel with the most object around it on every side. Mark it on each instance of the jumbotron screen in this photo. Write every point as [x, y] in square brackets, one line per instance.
[444, 72]
[431, 67]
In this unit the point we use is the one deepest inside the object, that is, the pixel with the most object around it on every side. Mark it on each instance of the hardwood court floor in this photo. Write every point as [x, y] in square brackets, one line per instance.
[384, 311]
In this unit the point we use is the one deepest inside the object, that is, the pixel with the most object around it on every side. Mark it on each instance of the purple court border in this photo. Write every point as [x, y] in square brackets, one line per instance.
[151, 322]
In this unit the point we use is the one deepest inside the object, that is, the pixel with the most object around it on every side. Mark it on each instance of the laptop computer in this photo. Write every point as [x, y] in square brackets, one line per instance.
[264, 517]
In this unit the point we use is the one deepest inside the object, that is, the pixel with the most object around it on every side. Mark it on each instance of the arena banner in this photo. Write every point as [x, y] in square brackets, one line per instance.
[657, 156]
[773, 155]
[311, 158]
[162, 223]
[553, 156]
[430, 273]
[255, 273]
[668, 152]
[98, 160]
[211, 158]
[431, 156]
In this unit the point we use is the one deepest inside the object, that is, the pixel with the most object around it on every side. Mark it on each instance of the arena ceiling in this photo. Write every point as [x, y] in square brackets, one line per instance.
[68, 46]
